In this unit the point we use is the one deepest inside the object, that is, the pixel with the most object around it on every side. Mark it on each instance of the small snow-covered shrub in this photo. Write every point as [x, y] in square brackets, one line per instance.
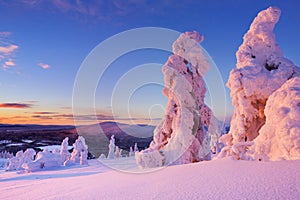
[44, 160]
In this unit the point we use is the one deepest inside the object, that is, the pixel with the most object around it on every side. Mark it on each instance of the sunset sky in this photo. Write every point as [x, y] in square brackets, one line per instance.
[43, 43]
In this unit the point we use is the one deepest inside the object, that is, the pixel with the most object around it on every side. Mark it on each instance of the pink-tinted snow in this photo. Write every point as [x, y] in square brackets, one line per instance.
[218, 179]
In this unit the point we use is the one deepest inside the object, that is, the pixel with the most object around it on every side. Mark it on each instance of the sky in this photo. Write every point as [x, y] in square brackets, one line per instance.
[44, 43]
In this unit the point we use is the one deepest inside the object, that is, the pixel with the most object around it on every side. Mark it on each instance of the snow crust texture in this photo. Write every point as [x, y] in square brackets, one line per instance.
[279, 138]
[180, 137]
[261, 70]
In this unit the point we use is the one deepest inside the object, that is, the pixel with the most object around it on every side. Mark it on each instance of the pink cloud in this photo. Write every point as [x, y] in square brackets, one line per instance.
[9, 63]
[8, 49]
[5, 34]
[15, 105]
[44, 65]
[45, 113]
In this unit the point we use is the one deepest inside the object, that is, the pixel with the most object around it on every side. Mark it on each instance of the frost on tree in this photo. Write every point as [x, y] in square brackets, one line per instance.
[65, 154]
[111, 148]
[80, 151]
[131, 152]
[118, 152]
[44, 160]
[136, 148]
[261, 69]
[29, 155]
[279, 138]
[15, 163]
[180, 137]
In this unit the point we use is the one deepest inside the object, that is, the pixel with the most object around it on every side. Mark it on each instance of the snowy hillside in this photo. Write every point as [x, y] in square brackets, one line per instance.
[219, 179]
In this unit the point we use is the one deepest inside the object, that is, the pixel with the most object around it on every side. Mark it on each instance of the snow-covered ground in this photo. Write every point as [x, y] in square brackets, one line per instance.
[53, 147]
[217, 179]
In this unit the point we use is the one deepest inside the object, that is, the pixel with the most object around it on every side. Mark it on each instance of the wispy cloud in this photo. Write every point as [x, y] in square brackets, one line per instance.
[7, 51]
[15, 105]
[44, 65]
[102, 10]
[5, 34]
[45, 113]
[9, 63]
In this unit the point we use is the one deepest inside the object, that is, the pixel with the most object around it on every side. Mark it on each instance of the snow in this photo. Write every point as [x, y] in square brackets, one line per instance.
[218, 179]
[43, 160]
[111, 147]
[261, 70]
[3, 163]
[53, 147]
[5, 141]
[265, 88]
[80, 151]
[180, 137]
[279, 138]
[27, 141]
[14, 144]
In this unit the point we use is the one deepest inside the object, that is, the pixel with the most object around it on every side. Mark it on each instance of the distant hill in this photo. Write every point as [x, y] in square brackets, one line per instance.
[20, 137]
[97, 136]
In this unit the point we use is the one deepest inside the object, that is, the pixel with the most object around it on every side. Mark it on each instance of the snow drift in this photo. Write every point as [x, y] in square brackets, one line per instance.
[180, 137]
[261, 70]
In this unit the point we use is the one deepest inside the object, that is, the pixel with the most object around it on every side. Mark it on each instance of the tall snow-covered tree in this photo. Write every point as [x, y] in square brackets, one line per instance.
[260, 70]
[180, 137]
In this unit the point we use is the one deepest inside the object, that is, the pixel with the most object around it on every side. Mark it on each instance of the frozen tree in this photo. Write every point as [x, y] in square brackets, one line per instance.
[279, 138]
[15, 163]
[83, 157]
[44, 160]
[65, 154]
[180, 137]
[131, 152]
[29, 155]
[118, 152]
[5, 154]
[111, 148]
[80, 152]
[261, 70]
[136, 148]
[102, 156]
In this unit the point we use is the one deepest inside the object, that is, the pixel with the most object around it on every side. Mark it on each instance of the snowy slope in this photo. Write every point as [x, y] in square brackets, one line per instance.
[218, 179]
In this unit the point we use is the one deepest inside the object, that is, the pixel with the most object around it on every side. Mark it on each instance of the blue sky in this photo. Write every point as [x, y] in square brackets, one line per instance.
[43, 43]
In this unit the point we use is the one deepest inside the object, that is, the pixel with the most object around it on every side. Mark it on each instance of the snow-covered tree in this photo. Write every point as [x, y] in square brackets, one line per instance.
[136, 148]
[65, 154]
[131, 152]
[29, 155]
[15, 163]
[102, 156]
[44, 160]
[118, 152]
[80, 151]
[180, 137]
[5, 154]
[279, 138]
[261, 70]
[111, 148]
